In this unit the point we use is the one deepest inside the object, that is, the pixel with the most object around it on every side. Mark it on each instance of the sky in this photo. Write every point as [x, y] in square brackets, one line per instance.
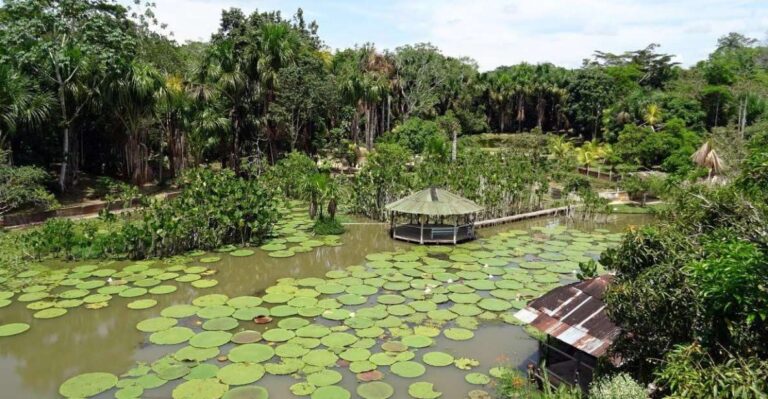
[501, 32]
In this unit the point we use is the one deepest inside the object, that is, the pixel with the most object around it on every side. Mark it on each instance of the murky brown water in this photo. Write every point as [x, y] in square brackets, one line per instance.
[34, 364]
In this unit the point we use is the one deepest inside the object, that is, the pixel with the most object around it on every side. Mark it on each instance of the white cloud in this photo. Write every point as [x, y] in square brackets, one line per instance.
[497, 32]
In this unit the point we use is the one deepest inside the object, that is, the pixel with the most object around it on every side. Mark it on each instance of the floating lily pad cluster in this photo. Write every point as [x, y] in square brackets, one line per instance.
[51, 292]
[366, 322]
[293, 233]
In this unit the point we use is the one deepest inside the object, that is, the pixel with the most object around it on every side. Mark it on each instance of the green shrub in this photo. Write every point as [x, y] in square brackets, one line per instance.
[22, 186]
[287, 174]
[690, 373]
[414, 134]
[325, 226]
[214, 208]
[619, 386]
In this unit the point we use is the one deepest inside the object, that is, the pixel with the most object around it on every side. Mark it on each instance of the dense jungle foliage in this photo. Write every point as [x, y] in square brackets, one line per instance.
[691, 292]
[90, 87]
[213, 209]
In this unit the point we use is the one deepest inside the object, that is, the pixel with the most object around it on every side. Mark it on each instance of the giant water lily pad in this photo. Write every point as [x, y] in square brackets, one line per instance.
[338, 339]
[210, 339]
[241, 373]
[355, 354]
[375, 390]
[253, 353]
[362, 366]
[249, 392]
[477, 378]
[494, 304]
[215, 312]
[210, 300]
[142, 304]
[417, 341]
[192, 354]
[168, 368]
[179, 311]
[50, 313]
[133, 292]
[87, 385]
[458, 334]
[202, 371]
[156, 324]
[423, 390]
[221, 324]
[324, 378]
[162, 289]
[302, 389]
[278, 335]
[209, 388]
[246, 337]
[331, 392]
[204, 283]
[437, 359]
[320, 358]
[244, 302]
[242, 252]
[291, 350]
[7, 330]
[171, 336]
[407, 369]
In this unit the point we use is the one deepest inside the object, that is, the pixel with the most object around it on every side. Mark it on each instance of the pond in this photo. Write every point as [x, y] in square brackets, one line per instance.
[391, 287]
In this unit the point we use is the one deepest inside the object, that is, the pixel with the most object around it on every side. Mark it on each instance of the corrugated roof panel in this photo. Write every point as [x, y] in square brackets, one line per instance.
[574, 314]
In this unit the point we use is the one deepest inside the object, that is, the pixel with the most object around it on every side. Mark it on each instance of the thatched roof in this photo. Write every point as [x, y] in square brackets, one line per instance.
[707, 157]
[434, 202]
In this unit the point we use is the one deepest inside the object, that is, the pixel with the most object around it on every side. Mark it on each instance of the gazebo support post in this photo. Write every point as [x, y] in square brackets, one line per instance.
[455, 228]
[421, 231]
[392, 223]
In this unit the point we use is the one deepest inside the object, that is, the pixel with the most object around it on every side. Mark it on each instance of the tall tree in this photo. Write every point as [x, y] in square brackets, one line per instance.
[20, 102]
[74, 47]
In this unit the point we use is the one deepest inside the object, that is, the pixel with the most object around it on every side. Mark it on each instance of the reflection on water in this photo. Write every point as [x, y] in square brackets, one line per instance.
[33, 364]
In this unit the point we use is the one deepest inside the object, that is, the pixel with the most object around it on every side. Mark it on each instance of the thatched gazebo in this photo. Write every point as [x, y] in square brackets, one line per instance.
[433, 216]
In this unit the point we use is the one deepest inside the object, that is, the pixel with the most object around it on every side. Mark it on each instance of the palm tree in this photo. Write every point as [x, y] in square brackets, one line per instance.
[172, 101]
[222, 79]
[133, 100]
[585, 157]
[596, 153]
[560, 147]
[20, 102]
[332, 192]
[652, 116]
[277, 47]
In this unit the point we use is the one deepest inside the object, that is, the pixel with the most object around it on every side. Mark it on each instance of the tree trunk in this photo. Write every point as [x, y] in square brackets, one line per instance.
[454, 144]
[63, 180]
[540, 110]
[355, 126]
[368, 138]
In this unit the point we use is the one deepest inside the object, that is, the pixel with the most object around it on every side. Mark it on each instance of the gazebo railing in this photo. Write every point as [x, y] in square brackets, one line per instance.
[434, 233]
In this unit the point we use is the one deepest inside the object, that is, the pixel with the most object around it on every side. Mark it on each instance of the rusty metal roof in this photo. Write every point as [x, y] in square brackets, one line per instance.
[574, 314]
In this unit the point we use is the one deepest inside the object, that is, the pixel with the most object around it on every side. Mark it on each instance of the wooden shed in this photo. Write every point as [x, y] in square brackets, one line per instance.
[578, 330]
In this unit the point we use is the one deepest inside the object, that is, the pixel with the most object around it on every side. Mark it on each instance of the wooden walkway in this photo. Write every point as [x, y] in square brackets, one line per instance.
[522, 216]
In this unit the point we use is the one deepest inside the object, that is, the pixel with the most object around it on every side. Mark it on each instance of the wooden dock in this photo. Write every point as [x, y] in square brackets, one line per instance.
[522, 216]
